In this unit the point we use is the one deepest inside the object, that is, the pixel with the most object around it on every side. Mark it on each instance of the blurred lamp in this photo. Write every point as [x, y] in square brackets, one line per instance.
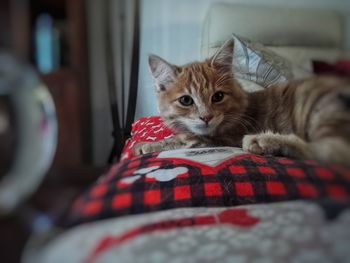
[34, 130]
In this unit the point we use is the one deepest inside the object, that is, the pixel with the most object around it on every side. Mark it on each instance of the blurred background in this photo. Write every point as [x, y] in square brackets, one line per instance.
[81, 49]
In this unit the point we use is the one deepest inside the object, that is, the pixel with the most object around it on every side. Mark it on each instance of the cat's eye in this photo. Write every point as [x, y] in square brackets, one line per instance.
[217, 97]
[186, 100]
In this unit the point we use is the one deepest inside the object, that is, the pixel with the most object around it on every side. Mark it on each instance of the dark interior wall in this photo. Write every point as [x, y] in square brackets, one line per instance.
[5, 37]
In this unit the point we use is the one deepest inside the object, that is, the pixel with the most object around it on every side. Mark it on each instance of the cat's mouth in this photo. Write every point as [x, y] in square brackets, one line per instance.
[199, 127]
[203, 129]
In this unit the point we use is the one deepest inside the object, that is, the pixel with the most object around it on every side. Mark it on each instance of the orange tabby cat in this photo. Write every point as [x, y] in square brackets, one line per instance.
[205, 106]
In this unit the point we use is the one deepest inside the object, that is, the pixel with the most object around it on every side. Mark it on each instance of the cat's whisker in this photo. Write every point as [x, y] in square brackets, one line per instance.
[254, 121]
[245, 123]
[234, 119]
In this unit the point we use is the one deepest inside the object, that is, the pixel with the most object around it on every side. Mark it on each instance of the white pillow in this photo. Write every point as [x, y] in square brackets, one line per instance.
[258, 64]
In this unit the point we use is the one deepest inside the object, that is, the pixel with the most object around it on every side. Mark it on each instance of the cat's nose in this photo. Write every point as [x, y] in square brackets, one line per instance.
[206, 119]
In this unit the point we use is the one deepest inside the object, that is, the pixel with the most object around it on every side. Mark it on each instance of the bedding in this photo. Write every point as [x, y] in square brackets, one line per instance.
[218, 176]
[295, 231]
[254, 62]
[206, 177]
[206, 205]
[256, 66]
[146, 129]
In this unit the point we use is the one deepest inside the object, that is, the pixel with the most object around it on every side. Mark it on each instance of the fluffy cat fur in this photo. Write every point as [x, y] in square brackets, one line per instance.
[205, 106]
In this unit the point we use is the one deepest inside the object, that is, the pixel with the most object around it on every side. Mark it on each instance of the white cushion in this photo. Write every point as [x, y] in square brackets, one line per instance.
[256, 63]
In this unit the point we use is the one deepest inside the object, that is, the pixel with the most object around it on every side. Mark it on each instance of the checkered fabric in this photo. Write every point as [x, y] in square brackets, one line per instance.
[149, 183]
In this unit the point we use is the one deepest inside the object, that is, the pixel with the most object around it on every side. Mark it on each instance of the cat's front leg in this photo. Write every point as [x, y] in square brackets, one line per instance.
[269, 143]
[164, 145]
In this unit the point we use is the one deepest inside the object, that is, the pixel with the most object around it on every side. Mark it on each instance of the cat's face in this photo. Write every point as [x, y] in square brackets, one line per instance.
[200, 97]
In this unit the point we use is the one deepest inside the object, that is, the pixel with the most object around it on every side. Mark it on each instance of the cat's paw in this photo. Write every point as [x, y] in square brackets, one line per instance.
[262, 144]
[146, 147]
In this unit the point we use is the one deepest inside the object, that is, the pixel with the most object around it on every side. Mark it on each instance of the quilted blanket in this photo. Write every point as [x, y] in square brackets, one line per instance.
[297, 231]
[206, 205]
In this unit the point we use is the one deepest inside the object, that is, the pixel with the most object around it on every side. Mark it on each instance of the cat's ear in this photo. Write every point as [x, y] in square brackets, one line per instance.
[222, 59]
[163, 72]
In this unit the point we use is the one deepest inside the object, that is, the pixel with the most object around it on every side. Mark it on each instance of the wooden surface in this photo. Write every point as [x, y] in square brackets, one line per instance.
[64, 89]
[20, 27]
[79, 63]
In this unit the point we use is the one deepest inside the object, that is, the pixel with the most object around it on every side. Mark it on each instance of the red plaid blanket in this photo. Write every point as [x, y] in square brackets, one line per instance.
[153, 182]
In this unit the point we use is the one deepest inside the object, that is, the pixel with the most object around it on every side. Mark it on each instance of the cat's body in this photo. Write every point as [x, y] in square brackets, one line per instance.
[205, 106]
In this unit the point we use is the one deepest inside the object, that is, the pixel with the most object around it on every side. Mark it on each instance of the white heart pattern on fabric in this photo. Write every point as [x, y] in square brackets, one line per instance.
[131, 179]
[146, 170]
[164, 175]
